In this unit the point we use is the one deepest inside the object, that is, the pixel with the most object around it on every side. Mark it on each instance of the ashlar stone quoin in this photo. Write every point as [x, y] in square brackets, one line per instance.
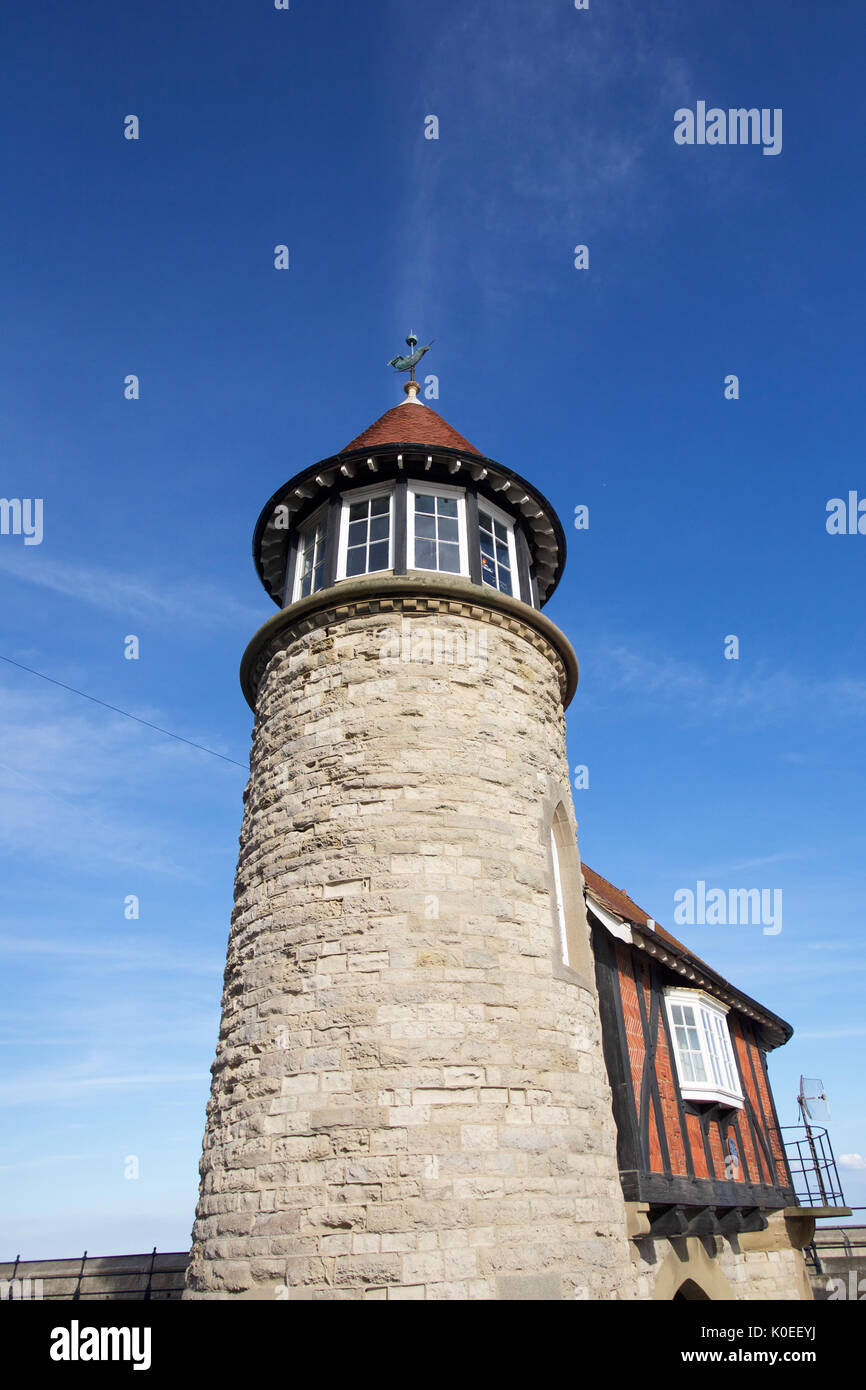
[409, 1095]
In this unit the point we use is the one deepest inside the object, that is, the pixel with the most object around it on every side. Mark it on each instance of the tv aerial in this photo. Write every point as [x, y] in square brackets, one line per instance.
[813, 1102]
[814, 1108]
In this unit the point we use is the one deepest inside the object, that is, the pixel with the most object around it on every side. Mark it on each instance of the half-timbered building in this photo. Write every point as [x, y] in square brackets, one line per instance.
[699, 1145]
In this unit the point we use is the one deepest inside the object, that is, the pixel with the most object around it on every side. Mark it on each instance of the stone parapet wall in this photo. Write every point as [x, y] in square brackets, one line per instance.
[84, 1278]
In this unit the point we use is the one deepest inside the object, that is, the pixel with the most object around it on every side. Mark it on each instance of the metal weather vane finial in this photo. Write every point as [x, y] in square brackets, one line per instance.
[408, 364]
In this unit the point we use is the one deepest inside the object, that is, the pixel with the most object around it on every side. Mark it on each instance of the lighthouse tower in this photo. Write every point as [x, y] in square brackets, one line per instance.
[409, 1096]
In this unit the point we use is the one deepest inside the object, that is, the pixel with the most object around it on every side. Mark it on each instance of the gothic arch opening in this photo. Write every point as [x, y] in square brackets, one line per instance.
[690, 1292]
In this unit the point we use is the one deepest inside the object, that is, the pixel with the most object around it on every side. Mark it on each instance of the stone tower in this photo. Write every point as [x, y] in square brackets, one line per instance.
[409, 1097]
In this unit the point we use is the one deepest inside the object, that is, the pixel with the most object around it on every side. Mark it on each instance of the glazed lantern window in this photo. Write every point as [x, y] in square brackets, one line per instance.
[436, 518]
[366, 534]
[498, 562]
[417, 522]
[311, 557]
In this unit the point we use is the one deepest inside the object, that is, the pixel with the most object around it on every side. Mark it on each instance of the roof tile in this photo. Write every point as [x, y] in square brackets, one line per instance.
[411, 423]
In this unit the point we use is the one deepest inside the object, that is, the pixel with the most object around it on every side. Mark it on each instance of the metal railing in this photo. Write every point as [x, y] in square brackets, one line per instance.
[136, 1277]
[837, 1243]
[813, 1166]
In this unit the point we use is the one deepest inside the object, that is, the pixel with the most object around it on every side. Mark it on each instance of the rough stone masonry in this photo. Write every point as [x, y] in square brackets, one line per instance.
[409, 1097]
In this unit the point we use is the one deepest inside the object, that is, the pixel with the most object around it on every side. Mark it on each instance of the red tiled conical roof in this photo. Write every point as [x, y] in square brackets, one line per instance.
[411, 423]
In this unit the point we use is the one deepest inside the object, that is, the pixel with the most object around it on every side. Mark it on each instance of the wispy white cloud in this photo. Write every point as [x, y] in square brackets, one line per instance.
[761, 693]
[856, 1032]
[852, 1161]
[95, 789]
[527, 97]
[130, 595]
[155, 954]
[58, 1088]
[723, 871]
[49, 1161]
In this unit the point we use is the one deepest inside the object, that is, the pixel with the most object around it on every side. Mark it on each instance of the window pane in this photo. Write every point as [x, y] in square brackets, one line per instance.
[380, 506]
[357, 532]
[710, 1040]
[425, 526]
[560, 908]
[447, 528]
[425, 555]
[379, 556]
[726, 1059]
[424, 503]
[311, 559]
[356, 560]
[357, 510]
[449, 557]
[379, 528]
[447, 506]
[495, 553]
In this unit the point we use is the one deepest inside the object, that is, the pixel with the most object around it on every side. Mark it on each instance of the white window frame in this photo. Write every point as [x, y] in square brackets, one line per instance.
[711, 1023]
[508, 522]
[317, 519]
[417, 485]
[361, 494]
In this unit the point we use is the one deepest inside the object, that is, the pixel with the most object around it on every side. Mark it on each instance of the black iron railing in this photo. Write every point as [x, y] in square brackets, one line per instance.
[813, 1166]
[837, 1243]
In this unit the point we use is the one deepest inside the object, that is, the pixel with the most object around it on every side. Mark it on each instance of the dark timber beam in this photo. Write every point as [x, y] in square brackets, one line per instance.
[669, 1223]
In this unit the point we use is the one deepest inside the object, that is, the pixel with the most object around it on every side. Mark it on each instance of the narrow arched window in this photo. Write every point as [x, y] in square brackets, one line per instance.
[571, 941]
[558, 898]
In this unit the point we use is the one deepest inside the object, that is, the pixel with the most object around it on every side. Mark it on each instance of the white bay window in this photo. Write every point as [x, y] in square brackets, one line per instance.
[703, 1049]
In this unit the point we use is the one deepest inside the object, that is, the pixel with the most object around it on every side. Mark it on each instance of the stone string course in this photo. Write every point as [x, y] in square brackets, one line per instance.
[436, 607]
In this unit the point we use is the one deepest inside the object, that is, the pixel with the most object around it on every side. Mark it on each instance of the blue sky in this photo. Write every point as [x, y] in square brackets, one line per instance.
[604, 387]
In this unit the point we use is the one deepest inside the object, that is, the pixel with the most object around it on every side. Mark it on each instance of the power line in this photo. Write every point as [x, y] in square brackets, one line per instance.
[125, 712]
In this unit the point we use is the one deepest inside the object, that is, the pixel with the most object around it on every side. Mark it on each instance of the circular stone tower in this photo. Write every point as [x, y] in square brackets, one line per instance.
[409, 1097]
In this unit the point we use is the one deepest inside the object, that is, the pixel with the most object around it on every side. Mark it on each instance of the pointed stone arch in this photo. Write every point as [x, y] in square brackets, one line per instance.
[572, 954]
[688, 1271]
[691, 1292]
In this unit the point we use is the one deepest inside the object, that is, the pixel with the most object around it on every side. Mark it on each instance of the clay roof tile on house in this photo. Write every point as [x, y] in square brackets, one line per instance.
[411, 423]
[621, 905]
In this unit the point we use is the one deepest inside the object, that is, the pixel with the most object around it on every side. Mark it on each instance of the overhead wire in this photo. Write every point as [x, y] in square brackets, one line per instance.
[125, 712]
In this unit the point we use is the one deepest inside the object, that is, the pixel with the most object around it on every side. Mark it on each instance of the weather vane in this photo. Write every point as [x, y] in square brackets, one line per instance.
[408, 364]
